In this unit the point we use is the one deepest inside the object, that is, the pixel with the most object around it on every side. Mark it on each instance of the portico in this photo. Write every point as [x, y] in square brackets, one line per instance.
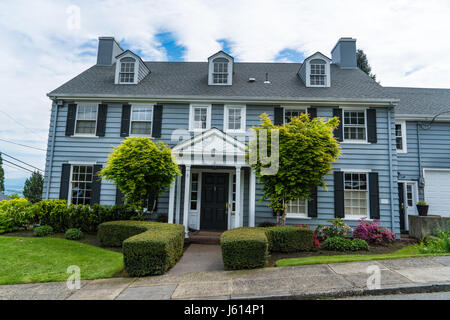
[217, 189]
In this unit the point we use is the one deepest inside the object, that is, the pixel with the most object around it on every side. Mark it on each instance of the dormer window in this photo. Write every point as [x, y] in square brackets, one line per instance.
[315, 71]
[220, 74]
[317, 75]
[126, 74]
[220, 70]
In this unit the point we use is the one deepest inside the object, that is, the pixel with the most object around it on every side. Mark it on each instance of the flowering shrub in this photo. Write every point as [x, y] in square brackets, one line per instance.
[337, 229]
[316, 243]
[373, 233]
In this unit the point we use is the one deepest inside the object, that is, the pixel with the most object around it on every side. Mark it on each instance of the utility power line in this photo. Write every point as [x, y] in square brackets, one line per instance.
[13, 168]
[19, 123]
[23, 145]
[3, 153]
[18, 165]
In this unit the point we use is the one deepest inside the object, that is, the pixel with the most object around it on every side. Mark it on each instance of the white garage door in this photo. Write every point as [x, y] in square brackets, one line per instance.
[437, 192]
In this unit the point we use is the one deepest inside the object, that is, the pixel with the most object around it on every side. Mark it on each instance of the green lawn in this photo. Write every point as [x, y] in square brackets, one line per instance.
[24, 260]
[406, 252]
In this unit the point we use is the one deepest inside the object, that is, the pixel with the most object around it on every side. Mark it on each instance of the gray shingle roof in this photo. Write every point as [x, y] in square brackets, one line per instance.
[3, 197]
[420, 101]
[171, 79]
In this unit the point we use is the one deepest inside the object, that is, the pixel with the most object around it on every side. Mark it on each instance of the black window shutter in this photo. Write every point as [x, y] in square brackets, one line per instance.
[372, 125]
[119, 196]
[278, 116]
[374, 196]
[339, 194]
[312, 203]
[101, 119]
[125, 126]
[312, 111]
[70, 121]
[65, 180]
[338, 132]
[96, 184]
[157, 120]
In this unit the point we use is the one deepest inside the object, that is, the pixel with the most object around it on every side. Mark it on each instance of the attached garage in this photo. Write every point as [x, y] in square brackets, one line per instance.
[437, 191]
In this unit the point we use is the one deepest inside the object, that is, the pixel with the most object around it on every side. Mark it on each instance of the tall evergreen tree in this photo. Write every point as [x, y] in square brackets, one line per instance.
[33, 187]
[363, 63]
[2, 175]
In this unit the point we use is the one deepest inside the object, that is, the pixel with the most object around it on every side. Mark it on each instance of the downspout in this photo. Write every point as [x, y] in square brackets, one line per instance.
[419, 156]
[391, 187]
[52, 151]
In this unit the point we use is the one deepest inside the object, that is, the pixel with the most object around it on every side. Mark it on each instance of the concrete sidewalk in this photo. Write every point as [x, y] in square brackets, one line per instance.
[305, 282]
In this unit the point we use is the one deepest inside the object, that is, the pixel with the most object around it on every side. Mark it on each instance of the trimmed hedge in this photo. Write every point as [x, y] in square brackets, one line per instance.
[244, 248]
[61, 217]
[42, 231]
[15, 214]
[344, 244]
[289, 239]
[149, 248]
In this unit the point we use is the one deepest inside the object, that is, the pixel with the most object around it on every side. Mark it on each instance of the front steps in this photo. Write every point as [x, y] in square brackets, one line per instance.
[204, 237]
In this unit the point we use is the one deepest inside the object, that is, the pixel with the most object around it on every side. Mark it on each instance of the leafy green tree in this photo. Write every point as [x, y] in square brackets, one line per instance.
[363, 63]
[33, 187]
[2, 175]
[141, 169]
[306, 151]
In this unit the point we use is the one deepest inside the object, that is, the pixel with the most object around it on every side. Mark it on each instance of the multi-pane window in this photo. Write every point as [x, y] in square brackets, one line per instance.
[194, 191]
[200, 118]
[289, 113]
[355, 194]
[126, 74]
[234, 118]
[141, 120]
[409, 194]
[81, 184]
[297, 207]
[220, 72]
[354, 125]
[86, 119]
[317, 75]
[400, 137]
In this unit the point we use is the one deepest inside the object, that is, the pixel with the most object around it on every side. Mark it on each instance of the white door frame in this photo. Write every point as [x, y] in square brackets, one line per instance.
[410, 210]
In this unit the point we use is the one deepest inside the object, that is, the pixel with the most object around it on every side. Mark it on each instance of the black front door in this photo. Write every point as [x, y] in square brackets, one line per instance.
[214, 199]
[401, 203]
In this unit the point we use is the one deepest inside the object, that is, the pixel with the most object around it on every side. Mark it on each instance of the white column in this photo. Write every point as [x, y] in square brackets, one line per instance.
[178, 201]
[237, 214]
[187, 190]
[171, 201]
[252, 199]
[241, 223]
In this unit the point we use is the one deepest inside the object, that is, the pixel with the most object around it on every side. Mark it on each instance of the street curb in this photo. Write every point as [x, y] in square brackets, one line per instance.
[425, 288]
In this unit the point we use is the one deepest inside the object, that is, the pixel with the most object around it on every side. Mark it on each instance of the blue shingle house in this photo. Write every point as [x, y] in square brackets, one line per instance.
[395, 141]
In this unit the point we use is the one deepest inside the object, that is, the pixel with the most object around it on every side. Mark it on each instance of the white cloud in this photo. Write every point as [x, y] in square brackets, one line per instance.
[405, 42]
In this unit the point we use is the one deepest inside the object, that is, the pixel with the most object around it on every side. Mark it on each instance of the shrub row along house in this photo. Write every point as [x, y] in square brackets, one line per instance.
[394, 150]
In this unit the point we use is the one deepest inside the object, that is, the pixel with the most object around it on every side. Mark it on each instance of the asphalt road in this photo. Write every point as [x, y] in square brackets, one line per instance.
[413, 296]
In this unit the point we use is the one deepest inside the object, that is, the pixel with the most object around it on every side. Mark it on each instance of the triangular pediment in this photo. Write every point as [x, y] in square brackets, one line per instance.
[212, 141]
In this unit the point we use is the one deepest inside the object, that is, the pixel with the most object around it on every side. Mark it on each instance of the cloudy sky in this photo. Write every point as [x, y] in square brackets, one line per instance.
[44, 44]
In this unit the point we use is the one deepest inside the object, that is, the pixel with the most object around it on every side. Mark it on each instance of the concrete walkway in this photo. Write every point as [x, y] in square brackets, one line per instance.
[333, 280]
[199, 258]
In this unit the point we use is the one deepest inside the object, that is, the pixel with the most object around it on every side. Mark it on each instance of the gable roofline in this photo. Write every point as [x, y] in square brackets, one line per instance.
[129, 52]
[312, 56]
[221, 52]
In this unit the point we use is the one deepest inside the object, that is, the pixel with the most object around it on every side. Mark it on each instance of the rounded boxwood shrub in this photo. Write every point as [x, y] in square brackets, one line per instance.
[42, 231]
[73, 234]
[344, 244]
[149, 248]
[359, 245]
[244, 248]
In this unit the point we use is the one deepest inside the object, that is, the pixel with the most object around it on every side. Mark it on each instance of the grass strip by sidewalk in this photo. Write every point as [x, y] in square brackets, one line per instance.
[406, 252]
[25, 260]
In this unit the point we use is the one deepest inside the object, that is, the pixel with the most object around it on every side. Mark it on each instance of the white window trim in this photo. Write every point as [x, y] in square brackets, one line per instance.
[243, 118]
[136, 70]
[327, 72]
[354, 141]
[355, 217]
[191, 117]
[299, 215]
[131, 117]
[404, 145]
[293, 108]
[211, 70]
[69, 196]
[85, 135]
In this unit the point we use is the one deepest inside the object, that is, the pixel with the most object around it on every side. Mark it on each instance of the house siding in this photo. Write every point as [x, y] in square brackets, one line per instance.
[176, 116]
